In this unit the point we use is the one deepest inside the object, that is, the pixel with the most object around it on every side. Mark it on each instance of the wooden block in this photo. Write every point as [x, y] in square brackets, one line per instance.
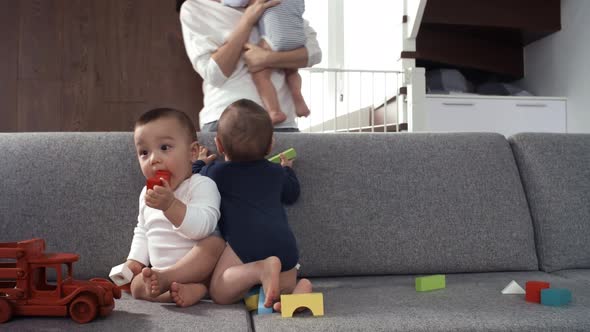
[289, 154]
[429, 283]
[262, 310]
[555, 297]
[121, 275]
[533, 290]
[513, 288]
[251, 299]
[312, 301]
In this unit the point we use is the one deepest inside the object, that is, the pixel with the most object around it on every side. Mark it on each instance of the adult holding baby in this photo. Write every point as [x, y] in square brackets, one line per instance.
[221, 43]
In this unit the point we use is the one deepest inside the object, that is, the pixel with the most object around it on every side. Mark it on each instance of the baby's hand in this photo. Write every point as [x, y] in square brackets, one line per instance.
[134, 266]
[256, 8]
[203, 151]
[161, 197]
[286, 162]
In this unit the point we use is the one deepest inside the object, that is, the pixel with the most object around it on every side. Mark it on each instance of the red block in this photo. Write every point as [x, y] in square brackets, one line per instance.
[155, 181]
[533, 290]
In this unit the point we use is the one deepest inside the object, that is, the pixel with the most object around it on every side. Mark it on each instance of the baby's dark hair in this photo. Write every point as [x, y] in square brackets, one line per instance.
[245, 131]
[159, 113]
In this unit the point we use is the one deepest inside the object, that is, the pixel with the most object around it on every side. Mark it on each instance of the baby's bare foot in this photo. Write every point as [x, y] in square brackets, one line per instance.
[270, 279]
[302, 287]
[155, 281]
[277, 117]
[185, 295]
[301, 108]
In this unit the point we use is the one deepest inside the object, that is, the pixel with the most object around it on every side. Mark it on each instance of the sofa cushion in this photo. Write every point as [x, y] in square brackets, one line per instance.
[407, 203]
[469, 302]
[581, 275]
[133, 315]
[78, 191]
[555, 170]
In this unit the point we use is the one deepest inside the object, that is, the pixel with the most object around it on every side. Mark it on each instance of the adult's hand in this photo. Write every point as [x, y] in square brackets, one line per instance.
[256, 8]
[255, 57]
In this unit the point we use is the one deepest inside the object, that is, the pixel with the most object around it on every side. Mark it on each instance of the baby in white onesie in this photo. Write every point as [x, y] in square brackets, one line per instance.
[177, 219]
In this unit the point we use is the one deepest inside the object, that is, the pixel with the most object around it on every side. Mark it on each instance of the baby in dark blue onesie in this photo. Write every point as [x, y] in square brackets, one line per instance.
[261, 248]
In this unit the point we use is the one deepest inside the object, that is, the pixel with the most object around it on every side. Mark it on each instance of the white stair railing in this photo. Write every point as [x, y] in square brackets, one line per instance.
[349, 100]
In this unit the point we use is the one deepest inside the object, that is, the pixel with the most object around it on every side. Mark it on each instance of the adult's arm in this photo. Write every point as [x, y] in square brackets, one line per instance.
[258, 58]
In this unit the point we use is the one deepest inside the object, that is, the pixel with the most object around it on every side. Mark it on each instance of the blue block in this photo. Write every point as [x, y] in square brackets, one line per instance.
[261, 308]
[253, 291]
[555, 296]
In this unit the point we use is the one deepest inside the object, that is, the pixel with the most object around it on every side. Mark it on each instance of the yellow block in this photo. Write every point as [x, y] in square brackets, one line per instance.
[312, 301]
[251, 302]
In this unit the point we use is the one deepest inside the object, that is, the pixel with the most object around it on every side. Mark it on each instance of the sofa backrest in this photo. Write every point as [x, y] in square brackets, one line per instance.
[408, 203]
[370, 203]
[555, 170]
[78, 191]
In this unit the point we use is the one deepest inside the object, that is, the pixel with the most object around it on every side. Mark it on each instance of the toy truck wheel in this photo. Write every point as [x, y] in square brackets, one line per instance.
[5, 311]
[83, 309]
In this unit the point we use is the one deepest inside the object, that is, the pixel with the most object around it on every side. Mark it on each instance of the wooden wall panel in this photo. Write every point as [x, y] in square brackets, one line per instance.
[9, 27]
[122, 48]
[91, 65]
[168, 63]
[38, 101]
[81, 94]
[116, 116]
[41, 26]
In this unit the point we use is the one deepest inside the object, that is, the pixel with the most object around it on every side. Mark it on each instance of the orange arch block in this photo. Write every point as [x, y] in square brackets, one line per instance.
[312, 301]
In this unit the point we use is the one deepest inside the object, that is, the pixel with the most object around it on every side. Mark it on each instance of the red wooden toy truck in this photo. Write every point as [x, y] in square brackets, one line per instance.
[25, 291]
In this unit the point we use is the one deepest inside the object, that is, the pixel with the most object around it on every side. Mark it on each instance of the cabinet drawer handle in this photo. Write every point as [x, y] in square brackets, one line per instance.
[532, 105]
[458, 104]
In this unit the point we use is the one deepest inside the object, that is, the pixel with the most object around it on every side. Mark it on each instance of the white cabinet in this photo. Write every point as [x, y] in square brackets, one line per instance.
[506, 115]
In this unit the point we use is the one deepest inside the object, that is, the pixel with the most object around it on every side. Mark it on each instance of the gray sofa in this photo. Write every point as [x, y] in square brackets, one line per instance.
[375, 212]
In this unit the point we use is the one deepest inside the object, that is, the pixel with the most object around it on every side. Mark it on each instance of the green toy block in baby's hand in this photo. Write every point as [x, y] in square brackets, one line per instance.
[289, 154]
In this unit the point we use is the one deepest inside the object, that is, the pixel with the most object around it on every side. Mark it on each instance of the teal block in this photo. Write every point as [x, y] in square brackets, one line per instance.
[428, 283]
[555, 297]
[289, 154]
[261, 308]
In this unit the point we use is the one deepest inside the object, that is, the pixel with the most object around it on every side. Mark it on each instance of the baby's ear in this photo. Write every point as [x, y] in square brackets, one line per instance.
[219, 146]
[194, 151]
[271, 145]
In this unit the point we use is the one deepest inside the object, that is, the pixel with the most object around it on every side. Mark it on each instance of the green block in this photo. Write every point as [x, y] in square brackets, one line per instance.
[424, 284]
[290, 154]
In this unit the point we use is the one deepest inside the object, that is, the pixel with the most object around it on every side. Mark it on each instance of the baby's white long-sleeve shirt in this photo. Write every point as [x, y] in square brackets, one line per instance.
[159, 243]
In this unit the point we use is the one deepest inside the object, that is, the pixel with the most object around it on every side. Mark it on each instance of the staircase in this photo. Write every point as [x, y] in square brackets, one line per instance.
[483, 35]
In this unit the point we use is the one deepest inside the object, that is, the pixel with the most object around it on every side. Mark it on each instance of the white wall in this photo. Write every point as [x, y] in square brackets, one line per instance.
[372, 34]
[559, 64]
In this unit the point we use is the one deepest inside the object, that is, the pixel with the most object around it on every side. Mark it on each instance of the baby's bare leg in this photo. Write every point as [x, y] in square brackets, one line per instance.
[195, 267]
[267, 92]
[232, 279]
[294, 82]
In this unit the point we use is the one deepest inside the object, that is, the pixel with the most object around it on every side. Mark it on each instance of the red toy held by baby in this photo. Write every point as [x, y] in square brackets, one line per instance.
[156, 180]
